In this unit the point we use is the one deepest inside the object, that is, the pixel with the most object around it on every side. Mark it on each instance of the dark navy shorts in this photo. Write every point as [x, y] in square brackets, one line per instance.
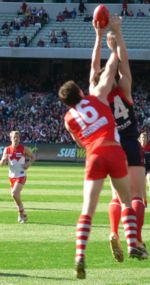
[134, 151]
[147, 161]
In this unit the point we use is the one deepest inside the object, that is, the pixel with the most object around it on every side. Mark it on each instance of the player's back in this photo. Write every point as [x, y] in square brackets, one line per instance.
[123, 112]
[92, 122]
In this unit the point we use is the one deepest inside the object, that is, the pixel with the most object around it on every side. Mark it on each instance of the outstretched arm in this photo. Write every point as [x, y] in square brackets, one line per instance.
[101, 84]
[96, 56]
[125, 79]
[4, 158]
[107, 78]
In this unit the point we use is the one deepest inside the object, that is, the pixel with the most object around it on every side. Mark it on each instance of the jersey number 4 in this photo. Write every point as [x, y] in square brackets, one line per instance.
[120, 109]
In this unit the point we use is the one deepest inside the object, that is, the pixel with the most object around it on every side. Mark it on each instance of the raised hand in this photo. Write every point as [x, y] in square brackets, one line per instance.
[99, 32]
[115, 23]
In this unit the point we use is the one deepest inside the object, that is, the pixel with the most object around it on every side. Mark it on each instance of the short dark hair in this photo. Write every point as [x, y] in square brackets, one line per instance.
[69, 93]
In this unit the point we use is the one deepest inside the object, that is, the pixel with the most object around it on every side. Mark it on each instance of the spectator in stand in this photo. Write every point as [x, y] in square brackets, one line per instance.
[34, 11]
[16, 24]
[53, 39]
[88, 18]
[5, 26]
[53, 36]
[24, 40]
[17, 41]
[45, 18]
[41, 43]
[5, 32]
[60, 17]
[130, 13]
[81, 7]
[65, 42]
[140, 13]
[5, 29]
[124, 11]
[74, 13]
[64, 33]
[24, 7]
[124, 5]
[66, 13]
[41, 11]
[52, 33]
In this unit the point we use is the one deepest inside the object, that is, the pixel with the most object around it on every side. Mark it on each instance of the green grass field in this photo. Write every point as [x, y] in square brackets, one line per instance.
[41, 252]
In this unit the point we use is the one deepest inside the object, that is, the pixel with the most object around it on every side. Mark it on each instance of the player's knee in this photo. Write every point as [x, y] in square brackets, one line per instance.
[14, 194]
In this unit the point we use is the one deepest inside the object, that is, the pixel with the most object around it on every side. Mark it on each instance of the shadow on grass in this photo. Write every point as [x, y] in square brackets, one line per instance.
[39, 209]
[36, 277]
[49, 209]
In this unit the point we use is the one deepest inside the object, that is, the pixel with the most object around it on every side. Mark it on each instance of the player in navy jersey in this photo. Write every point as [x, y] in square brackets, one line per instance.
[121, 103]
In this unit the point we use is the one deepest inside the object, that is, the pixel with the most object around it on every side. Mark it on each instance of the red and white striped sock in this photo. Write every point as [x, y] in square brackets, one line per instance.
[128, 218]
[82, 234]
[114, 215]
[139, 209]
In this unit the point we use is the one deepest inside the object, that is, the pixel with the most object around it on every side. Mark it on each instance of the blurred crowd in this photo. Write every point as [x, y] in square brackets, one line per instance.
[30, 104]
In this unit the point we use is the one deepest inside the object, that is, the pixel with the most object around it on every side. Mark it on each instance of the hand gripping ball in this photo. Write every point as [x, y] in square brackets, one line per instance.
[101, 15]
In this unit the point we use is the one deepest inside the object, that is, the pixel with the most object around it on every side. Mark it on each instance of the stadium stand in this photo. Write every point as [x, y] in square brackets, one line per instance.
[80, 32]
[37, 114]
[30, 31]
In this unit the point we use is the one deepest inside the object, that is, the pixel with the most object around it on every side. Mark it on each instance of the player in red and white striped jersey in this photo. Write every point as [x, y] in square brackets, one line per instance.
[16, 155]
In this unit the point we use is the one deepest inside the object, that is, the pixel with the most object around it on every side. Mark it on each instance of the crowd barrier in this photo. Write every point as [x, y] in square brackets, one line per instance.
[54, 152]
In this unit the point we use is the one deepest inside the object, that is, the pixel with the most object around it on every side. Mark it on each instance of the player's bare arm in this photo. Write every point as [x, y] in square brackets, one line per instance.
[125, 80]
[107, 78]
[4, 159]
[30, 158]
[96, 55]
[78, 142]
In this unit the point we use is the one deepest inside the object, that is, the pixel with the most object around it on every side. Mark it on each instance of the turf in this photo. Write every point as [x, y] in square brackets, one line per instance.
[42, 251]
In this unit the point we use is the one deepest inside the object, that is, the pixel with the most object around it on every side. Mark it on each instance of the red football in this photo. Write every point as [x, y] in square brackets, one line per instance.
[101, 15]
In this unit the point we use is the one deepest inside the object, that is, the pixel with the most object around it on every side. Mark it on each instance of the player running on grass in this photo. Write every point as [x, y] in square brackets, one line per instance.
[15, 155]
[91, 124]
[121, 103]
